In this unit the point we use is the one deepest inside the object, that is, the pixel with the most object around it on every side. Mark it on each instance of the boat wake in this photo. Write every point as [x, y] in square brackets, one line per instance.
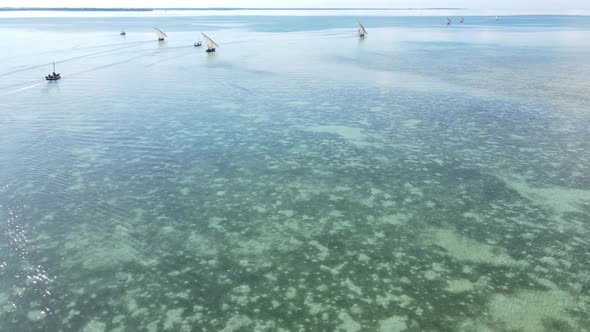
[67, 60]
[23, 88]
[113, 64]
[40, 82]
[77, 47]
[166, 59]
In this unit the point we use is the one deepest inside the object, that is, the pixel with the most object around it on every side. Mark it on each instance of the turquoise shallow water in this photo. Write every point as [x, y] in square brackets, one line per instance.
[427, 178]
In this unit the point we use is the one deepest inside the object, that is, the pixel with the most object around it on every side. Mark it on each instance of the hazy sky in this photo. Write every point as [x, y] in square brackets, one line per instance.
[473, 4]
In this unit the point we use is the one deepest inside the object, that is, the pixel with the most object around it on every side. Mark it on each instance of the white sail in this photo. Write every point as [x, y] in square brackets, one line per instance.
[210, 43]
[362, 30]
[161, 34]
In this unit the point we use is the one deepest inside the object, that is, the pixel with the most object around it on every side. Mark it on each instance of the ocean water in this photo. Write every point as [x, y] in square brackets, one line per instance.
[426, 178]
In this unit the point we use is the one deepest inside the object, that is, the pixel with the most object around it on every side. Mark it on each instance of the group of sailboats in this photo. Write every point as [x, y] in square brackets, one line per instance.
[211, 45]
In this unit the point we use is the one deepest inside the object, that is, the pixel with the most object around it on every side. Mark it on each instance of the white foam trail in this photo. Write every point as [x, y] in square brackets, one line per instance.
[22, 89]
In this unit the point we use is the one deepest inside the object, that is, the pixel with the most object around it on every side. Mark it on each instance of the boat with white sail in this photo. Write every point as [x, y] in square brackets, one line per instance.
[211, 45]
[362, 31]
[161, 34]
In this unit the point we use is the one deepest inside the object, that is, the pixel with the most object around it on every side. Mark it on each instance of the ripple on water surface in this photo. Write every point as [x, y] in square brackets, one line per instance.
[282, 201]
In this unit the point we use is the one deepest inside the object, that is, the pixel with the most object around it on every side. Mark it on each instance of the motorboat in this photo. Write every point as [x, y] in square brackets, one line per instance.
[53, 76]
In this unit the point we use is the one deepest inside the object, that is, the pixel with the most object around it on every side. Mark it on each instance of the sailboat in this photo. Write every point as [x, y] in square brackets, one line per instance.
[449, 21]
[497, 18]
[123, 33]
[53, 76]
[161, 34]
[362, 30]
[211, 45]
[461, 19]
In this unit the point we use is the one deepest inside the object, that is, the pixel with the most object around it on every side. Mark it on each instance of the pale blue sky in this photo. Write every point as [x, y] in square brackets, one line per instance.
[475, 4]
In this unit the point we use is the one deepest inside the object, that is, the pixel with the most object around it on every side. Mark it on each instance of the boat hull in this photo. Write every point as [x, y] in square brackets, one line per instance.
[210, 50]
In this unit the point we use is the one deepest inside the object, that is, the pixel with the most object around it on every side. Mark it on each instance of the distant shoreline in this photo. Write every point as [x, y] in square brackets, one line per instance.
[209, 8]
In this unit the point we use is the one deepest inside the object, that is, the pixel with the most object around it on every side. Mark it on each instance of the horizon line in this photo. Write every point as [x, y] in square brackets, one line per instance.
[209, 8]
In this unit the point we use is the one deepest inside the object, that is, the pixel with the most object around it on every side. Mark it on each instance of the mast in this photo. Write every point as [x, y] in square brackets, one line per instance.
[54, 66]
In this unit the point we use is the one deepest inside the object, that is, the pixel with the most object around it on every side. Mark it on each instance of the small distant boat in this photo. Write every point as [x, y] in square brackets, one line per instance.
[198, 44]
[161, 34]
[53, 76]
[211, 45]
[123, 33]
[461, 19]
[362, 31]
[449, 21]
[497, 18]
